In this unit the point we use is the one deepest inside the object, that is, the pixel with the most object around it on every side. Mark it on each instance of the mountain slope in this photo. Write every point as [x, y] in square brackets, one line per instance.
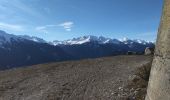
[22, 50]
[93, 50]
[92, 46]
[16, 51]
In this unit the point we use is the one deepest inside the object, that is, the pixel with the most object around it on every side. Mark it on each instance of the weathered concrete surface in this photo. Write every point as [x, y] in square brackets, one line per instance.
[159, 83]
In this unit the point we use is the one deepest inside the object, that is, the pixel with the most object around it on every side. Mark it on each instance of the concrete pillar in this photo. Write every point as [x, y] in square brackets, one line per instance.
[159, 82]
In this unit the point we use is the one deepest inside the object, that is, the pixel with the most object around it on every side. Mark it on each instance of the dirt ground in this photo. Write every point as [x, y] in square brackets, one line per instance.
[91, 79]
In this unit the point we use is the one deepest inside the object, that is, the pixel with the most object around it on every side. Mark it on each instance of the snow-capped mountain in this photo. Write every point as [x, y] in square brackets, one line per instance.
[17, 51]
[100, 40]
[79, 40]
[23, 50]
[5, 37]
[33, 38]
[86, 39]
[129, 41]
[8, 38]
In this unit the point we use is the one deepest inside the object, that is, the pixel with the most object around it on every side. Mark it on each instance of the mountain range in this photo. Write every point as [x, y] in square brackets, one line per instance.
[23, 50]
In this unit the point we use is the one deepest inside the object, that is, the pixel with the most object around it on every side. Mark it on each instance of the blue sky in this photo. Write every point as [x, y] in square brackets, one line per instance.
[65, 19]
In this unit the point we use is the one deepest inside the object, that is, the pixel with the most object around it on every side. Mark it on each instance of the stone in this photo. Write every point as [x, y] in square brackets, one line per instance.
[149, 51]
[159, 84]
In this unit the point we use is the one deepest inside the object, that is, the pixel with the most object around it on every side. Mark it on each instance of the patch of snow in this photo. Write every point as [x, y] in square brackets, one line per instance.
[4, 37]
[32, 38]
[86, 39]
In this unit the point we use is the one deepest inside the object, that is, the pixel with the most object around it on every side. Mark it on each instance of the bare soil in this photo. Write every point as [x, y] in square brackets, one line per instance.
[91, 79]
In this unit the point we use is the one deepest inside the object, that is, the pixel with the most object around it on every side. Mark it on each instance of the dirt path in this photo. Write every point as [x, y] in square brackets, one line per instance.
[92, 79]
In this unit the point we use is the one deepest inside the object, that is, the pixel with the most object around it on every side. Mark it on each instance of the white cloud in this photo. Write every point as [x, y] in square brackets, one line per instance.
[41, 29]
[12, 27]
[67, 25]
[44, 29]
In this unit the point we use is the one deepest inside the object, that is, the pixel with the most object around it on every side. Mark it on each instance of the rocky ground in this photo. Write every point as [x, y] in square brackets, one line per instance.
[110, 78]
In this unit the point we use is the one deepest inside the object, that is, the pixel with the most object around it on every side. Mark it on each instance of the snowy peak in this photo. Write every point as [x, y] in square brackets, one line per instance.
[139, 41]
[5, 37]
[86, 39]
[32, 38]
[100, 40]
[79, 40]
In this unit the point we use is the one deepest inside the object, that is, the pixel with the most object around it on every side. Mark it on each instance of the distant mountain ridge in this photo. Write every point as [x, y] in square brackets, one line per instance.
[17, 51]
[100, 40]
[23, 50]
[5, 37]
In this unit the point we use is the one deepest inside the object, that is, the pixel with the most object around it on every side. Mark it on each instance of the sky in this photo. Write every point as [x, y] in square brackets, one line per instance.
[66, 19]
